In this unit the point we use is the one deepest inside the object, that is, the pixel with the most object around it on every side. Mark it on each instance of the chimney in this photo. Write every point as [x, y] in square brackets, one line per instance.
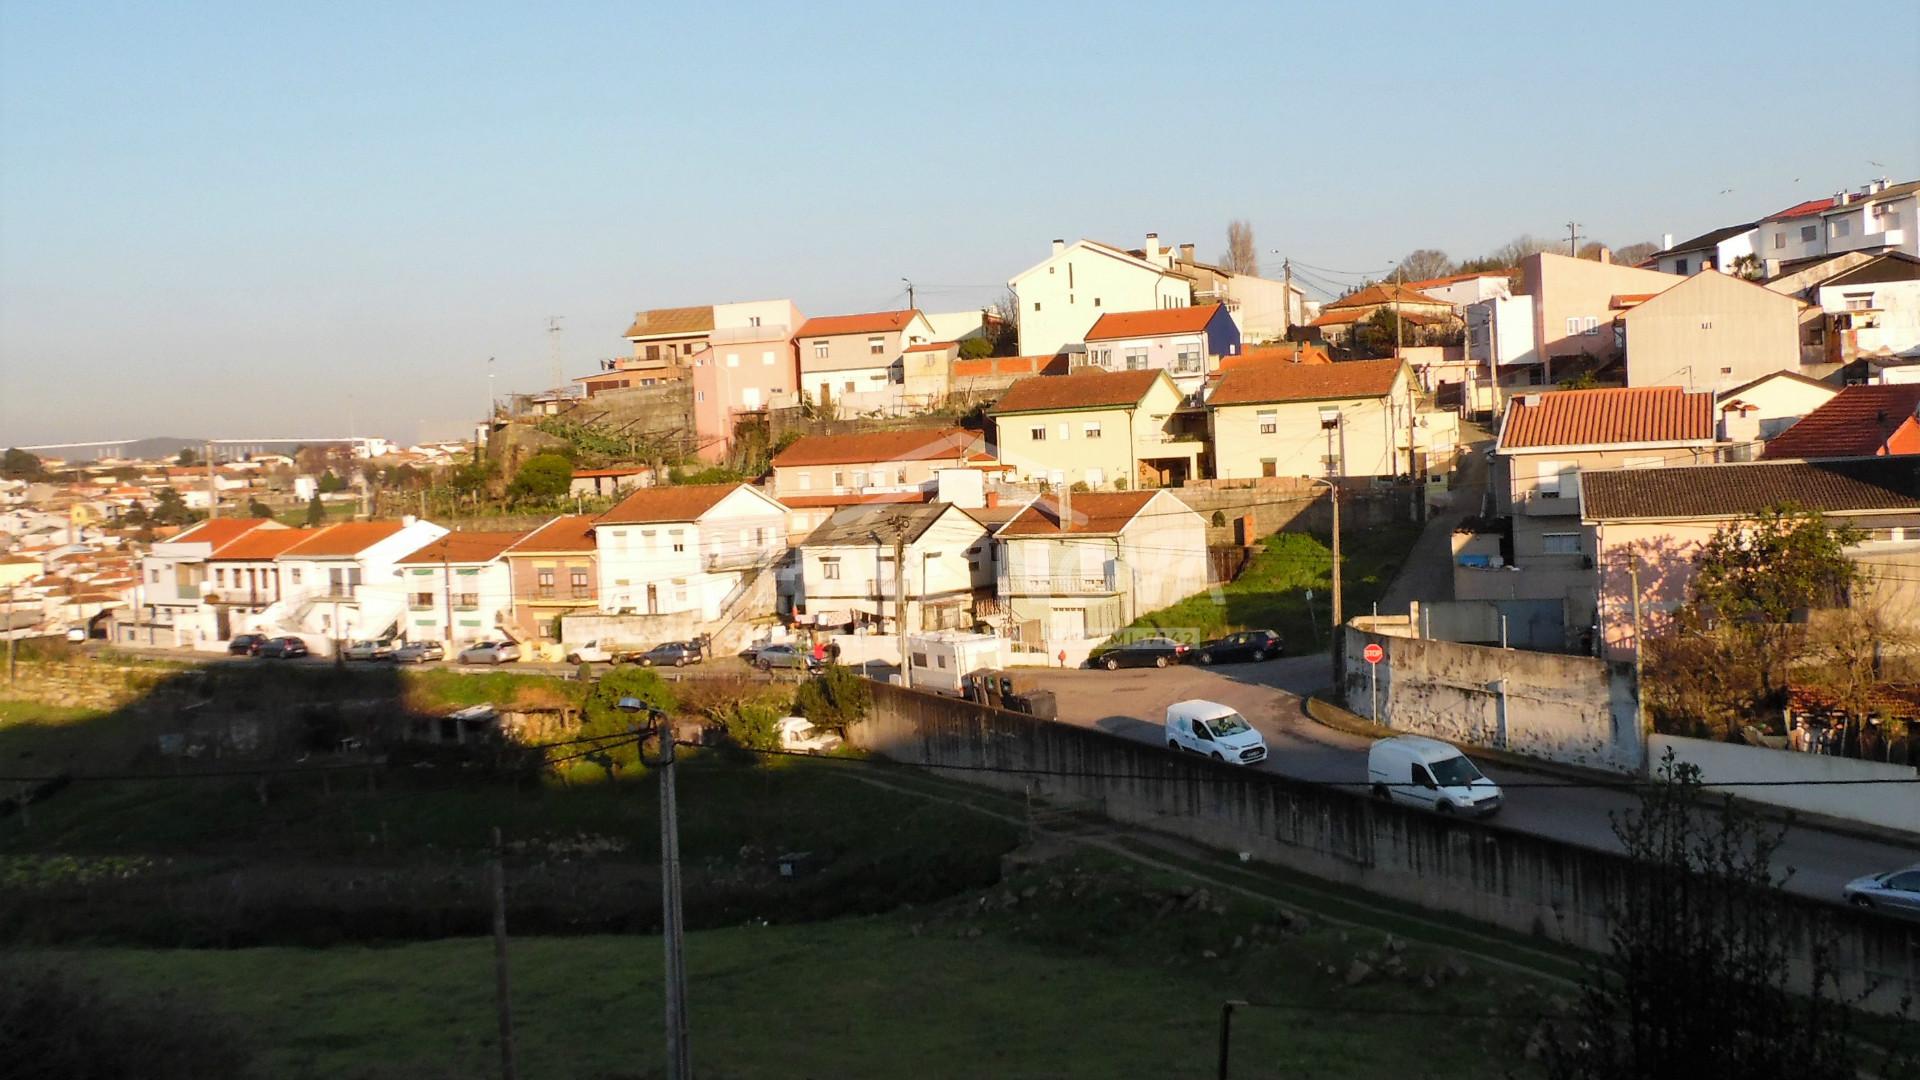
[1606, 255]
[1063, 499]
[1844, 197]
[1186, 252]
[1153, 246]
[1666, 241]
[1059, 246]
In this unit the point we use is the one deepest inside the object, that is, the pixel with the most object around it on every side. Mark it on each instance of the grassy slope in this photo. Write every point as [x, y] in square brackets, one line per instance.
[1271, 592]
[1108, 984]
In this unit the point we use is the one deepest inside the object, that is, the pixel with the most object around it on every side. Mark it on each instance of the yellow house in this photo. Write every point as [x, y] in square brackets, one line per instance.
[1110, 430]
[1281, 419]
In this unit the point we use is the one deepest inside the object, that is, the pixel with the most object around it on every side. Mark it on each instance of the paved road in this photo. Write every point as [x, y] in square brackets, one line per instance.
[1131, 702]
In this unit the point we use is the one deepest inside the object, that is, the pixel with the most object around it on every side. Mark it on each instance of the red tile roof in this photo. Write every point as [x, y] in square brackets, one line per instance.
[1805, 209]
[568, 532]
[1300, 353]
[989, 366]
[804, 502]
[1859, 420]
[912, 444]
[930, 346]
[264, 543]
[872, 322]
[667, 504]
[1342, 317]
[466, 547]
[1273, 382]
[1087, 389]
[624, 470]
[1136, 324]
[1385, 293]
[218, 531]
[1094, 513]
[1646, 414]
[344, 539]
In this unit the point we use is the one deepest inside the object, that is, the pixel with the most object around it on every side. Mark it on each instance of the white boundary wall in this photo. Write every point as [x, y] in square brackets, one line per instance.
[1893, 806]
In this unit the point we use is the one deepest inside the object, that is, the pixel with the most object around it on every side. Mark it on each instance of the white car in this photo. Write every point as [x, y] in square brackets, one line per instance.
[797, 734]
[490, 652]
[1213, 730]
[1417, 771]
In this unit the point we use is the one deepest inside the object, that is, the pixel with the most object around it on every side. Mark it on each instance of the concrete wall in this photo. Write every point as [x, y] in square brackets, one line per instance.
[1571, 709]
[1893, 806]
[1711, 332]
[1479, 870]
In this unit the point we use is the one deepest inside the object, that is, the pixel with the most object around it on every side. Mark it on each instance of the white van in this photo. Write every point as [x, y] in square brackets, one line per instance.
[1419, 771]
[1211, 729]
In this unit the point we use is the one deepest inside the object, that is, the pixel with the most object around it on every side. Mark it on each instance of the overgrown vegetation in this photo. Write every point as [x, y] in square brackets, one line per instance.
[56, 1024]
[834, 698]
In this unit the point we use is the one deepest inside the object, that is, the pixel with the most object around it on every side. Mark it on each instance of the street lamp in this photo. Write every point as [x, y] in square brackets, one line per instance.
[1330, 423]
[672, 922]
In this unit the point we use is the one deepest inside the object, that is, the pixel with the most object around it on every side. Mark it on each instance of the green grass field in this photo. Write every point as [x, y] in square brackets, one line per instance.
[1087, 968]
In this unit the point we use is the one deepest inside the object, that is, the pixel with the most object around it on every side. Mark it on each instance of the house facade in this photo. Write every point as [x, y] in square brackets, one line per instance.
[1574, 304]
[555, 572]
[848, 571]
[741, 372]
[174, 577]
[1754, 412]
[1339, 318]
[1280, 419]
[1722, 249]
[1871, 309]
[821, 473]
[1460, 290]
[926, 373]
[1073, 568]
[1100, 428]
[1063, 295]
[852, 362]
[1183, 342]
[245, 579]
[685, 550]
[341, 582]
[459, 588]
[1711, 332]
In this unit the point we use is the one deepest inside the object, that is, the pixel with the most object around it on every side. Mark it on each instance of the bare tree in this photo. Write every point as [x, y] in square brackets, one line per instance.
[1591, 250]
[1635, 254]
[1005, 331]
[1425, 263]
[1511, 252]
[1241, 257]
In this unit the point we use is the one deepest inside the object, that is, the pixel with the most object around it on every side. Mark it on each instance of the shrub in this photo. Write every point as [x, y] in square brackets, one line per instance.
[602, 715]
[544, 476]
[54, 1025]
[834, 698]
[975, 348]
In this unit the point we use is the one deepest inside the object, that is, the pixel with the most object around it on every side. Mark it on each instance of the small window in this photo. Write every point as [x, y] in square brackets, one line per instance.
[1808, 233]
[733, 359]
[1269, 421]
[919, 659]
[1038, 433]
[1592, 327]
[1096, 301]
[1842, 227]
[830, 569]
[847, 387]
[1036, 305]
[876, 345]
[900, 476]
[295, 574]
[1573, 324]
[1679, 266]
[804, 481]
[753, 320]
[767, 358]
[1779, 240]
[700, 396]
[1066, 431]
[1560, 543]
[820, 349]
[1269, 466]
[1096, 477]
[1090, 429]
[859, 478]
[839, 478]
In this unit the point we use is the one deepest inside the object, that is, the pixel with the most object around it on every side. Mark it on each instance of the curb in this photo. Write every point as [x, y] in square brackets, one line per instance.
[1325, 713]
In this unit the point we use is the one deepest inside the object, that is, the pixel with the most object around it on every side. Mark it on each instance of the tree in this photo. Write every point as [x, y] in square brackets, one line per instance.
[170, 509]
[1242, 256]
[1635, 254]
[1696, 981]
[1592, 250]
[134, 515]
[1423, 264]
[21, 465]
[1518, 248]
[186, 456]
[1005, 324]
[316, 512]
[974, 348]
[834, 698]
[1843, 656]
[542, 476]
[329, 483]
[1585, 380]
[258, 509]
[1379, 333]
[601, 716]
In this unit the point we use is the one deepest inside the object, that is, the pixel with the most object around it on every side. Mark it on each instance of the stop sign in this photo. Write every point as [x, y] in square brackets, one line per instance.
[1374, 654]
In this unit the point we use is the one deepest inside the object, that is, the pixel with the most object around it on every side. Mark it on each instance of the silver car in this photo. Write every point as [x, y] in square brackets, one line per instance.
[490, 652]
[1896, 892]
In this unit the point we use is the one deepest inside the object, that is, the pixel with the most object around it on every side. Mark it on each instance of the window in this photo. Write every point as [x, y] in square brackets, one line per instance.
[420, 601]
[1090, 429]
[1187, 360]
[700, 396]
[820, 349]
[1859, 301]
[220, 578]
[1592, 327]
[295, 575]
[581, 589]
[1890, 220]
[1679, 266]
[767, 358]
[679, 539]
[545, 583]
[753, 320]
[847, 387]
[1573, 324]
[1557, 480]
[1096, 301]
[1779, 240]
[1807, 234]
[1560, 544]
[1842, 227]
[154, 577]
[1136, 359]
[1036, 305]
[1269, 421]
[467, 601]
[1066, 431]
[653, 352]
[839, 478]
[1269, 466]
[900, 476]
[919, 659]
[941, 660]
[876, 345]
[805, 481]
[733, 359]
[1038, 433]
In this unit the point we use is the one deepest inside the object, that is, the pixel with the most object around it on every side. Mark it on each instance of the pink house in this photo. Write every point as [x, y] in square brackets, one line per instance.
[746, 368]
[1574, 304]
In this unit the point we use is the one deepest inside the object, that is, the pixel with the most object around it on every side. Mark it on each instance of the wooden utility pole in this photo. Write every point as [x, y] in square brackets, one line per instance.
[1639, 707]
[900, 596]
[1339, 638]
[10, 655]
[1286, 269]
[672, 923]
[1573, 239]
[503, 996]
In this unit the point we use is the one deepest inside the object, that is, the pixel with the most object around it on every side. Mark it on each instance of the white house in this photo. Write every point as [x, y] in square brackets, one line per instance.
[1073, 568]
[1061, 296]
[174, 575]
[1759, 409]
[1878, 217]
[1178, 341]
[685, 550]
[1472, 287]
[460, 588]
[847, 571]
[1719, 249]
[342, 582]
[853, 361]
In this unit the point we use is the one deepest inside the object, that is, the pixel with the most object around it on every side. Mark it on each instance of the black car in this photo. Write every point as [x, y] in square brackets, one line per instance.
[1253, 645]
[283, 648]
[676, 653]
[1147, 652]
[246, 645]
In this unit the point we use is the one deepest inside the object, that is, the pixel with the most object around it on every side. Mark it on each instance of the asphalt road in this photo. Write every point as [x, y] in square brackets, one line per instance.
[1131, 703]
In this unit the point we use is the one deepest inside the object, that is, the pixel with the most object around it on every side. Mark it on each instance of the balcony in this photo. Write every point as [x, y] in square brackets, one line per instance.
[1098, 583]
[738, 557]
[1551, 504]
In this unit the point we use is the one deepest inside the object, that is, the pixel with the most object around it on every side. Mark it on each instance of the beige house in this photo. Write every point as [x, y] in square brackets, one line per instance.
[853, 361]
[1547, 443]
[1757, 410]
[1711, 332]
[1118, 429]
[1074, 568]
[818, 474]
[926, 374]
[663, 339]
[1282, 419]
[1574, 304]
[847, 570]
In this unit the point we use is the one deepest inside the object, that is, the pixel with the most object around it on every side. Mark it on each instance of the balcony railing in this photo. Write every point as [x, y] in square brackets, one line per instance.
[1552, 504]
[739, 556]
[1082, 584]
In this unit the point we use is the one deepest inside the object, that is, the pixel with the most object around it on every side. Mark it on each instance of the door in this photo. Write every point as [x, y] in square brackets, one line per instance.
[750, 397]
[653, 598]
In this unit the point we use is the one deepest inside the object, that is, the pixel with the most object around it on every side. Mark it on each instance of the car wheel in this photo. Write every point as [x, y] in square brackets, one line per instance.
[1380, 792]
[1110, 664]
[766, 667]
[1206, 659]
[1443, 807]
[1217, 757]
[1860, 901]
[679, 661]
[1259, 655]
[646, 661]
[573, 658]
[1174, 746]
[1159, 661]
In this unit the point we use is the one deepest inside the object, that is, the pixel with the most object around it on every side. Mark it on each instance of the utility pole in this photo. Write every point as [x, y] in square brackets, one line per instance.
[672, 922]
[553, 349]
[1286, 269]
[1339, 647]
[1573, 239]
[502, 994]
[1399, 277]
[11, 675]
[899, 525]
[213, 487]
[910, 303]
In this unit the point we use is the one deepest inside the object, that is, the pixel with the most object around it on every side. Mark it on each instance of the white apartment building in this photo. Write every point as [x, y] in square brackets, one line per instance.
[686, 550]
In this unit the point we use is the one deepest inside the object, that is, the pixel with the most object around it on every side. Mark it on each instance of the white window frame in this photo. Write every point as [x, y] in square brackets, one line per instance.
[821, 349]
[1037, 433]
[1090, 429]
[1548, 542]
[1269, 420]
[877, 346]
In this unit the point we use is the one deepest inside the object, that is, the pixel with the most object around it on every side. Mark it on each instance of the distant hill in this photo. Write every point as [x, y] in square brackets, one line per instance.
[165, 446]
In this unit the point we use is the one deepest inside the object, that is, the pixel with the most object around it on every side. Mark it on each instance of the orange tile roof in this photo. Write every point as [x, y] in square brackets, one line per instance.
[1086, 389]
[1300, 353]
[989, 366]
[568, 532]
[1276, 382]
[343, 540]
[1093, 513]
[1803, 209]
[465, 547]
[1134, 324]
[1455, 279]
[931, 346]
[218, 531]
[624, 470]
[1341, 317]
[667, 504]
[1857, 421]
[264, 543]
[665, 322]
[912, 444]
[804, 502]
[1641, 414]
[1385, 293]
[1627, 300]
[871, 322]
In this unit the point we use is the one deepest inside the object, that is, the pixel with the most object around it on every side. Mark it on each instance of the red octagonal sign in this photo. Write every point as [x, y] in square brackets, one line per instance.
[1374, 654]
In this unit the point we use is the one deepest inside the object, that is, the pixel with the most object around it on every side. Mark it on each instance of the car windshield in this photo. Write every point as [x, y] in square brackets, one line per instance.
[1454, 772]
[1230, 724]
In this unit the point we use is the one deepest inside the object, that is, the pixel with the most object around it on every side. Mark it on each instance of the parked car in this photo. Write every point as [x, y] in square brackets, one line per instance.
[1250, 645]
[283, 648]
[676, 653]
[601, 652]
[784, 656]
[419, 652]
[798, 735]
[246, 645]
[1896, 892]
[1147, 652]
[1213, 730]
[368, 650]
[1418, 771]
[490, 652]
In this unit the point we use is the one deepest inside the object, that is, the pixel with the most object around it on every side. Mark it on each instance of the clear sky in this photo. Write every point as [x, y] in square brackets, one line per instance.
[267, 219]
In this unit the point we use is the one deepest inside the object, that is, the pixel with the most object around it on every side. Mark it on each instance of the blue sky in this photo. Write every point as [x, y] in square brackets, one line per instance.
[254, 219]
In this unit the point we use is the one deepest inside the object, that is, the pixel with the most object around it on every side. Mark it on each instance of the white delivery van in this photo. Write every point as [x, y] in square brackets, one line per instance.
[1213, 730]
[1419, 771]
